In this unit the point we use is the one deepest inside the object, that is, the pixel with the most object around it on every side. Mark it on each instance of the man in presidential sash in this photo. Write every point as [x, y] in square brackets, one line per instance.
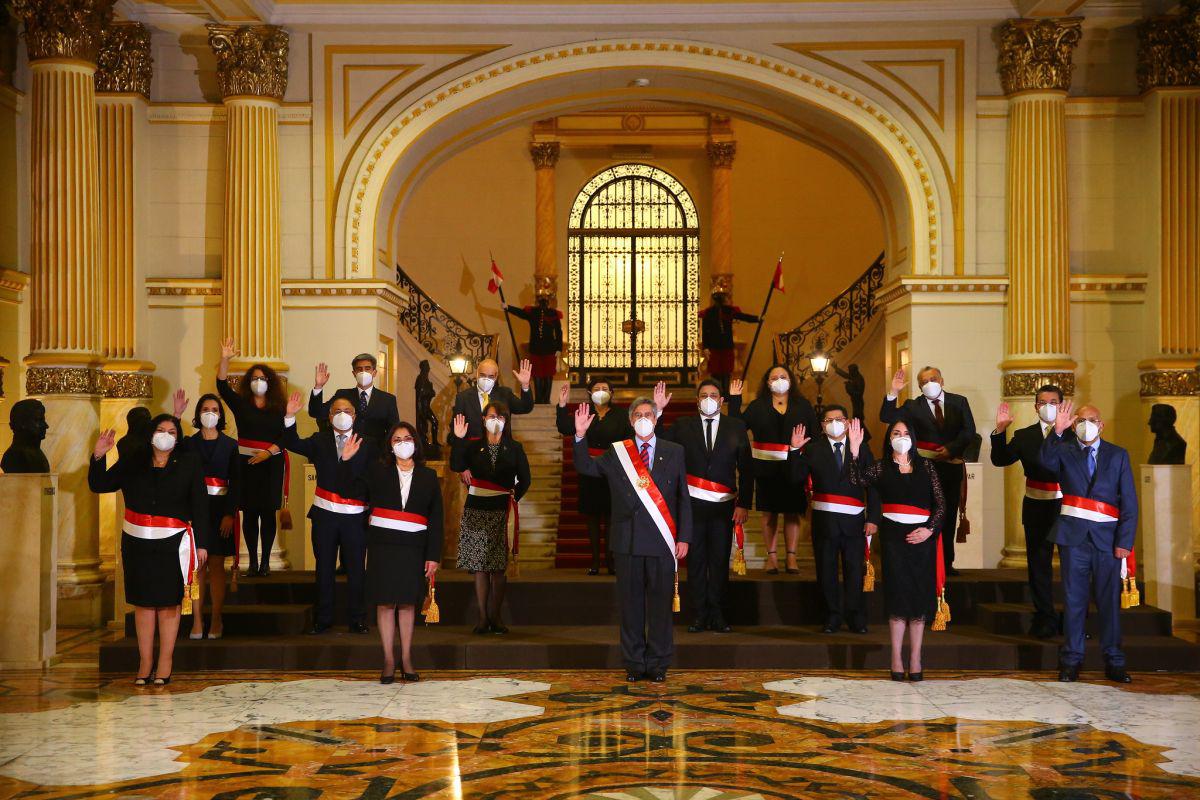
[649, 532]
[1094, 532]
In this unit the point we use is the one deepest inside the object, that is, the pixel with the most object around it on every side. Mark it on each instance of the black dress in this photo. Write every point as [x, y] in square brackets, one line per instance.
[594, 500]
[482, 546]
[774, 491]
[262, 484]
[395, 556]
[909, 570]
[222, 482]
[152, 569]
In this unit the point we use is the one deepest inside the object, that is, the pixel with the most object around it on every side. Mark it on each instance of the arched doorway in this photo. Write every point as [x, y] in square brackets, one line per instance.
[633, 274]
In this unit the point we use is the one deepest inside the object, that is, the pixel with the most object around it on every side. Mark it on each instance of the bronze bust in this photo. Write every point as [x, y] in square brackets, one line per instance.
[27, 418]
[1169, 446]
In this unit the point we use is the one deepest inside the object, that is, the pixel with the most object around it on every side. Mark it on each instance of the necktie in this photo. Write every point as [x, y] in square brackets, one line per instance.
[341, 440]
[1091, 462]
[837, 454]
[484, 396]
[938, 417]
[708, 434]
[646, 454]
[362, 402]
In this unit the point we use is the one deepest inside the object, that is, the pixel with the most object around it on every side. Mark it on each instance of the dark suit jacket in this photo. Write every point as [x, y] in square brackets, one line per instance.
[1026, 447]
[955, 435]
[631, 530]
[176, 490]
[730, 463]
[381, 416]
[321, 449]
[466, 403]
[1112, 484]
[379, 485]
[816, 461]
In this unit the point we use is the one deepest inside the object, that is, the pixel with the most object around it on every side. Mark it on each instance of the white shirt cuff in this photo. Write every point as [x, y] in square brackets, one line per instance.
[579, 438]
[891, 397]
[318, 392]
[289, 422]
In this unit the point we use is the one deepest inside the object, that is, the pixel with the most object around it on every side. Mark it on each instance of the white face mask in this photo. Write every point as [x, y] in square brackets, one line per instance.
[601, 397]
[931, 389]
[486, 385]
[209, 419]
[342, 421]
[780, 385]
[901, 445]
[709, 406]
[1086, 431]
[365, 379]
[258, 386]
[1048, 413]
[835, 428]
[404, 449]
[163, 442]
[494, 425]
[643, 427]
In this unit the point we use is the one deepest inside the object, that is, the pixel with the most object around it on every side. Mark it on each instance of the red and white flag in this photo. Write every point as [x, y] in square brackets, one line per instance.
[496, 279]
[777, 281]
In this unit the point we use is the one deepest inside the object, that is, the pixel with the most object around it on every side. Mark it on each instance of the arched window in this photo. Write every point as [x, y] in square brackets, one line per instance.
[633, 264]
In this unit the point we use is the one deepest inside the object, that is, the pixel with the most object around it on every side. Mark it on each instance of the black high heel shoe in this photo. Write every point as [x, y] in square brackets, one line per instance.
[140, 681]
[790, 570]
[410, 677]
[388, 679]
[916, 677]
[482, 628]
[897, 676]
[163, 681]
[775, 569]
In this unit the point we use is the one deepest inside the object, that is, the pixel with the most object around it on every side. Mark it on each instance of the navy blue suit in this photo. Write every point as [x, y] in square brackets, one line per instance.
[1086, 547]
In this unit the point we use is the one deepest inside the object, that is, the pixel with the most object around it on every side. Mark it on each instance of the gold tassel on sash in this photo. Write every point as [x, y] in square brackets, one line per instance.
[739, 562]
[233, 580]
[869, 578]
[675, 601]
[433, 614]
[190, 592]
[942, 616]
[514, 569]
[1131, 597]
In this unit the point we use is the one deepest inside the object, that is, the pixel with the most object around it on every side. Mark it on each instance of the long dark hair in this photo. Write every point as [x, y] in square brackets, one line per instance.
[388, 457]
[276, 397]
[502, 410]
[220, 411]
[764, 386]
[913, 455]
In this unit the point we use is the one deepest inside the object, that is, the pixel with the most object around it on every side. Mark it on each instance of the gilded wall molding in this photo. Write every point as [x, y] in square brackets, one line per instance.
[544, 154]
[1035, 54]
[252, 60]
[1170, 383]
[124, 63]
[1026, 384]
[720, 154]
[64, 28]
[4, 365]
[125, 385]
[1169, 49]
[62, 380]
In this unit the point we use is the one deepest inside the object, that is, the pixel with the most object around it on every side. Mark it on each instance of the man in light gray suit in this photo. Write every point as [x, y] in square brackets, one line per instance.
[649, 532]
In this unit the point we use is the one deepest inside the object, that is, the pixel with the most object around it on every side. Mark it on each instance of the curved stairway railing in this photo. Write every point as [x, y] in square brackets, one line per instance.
[835, 325]
[436, 329]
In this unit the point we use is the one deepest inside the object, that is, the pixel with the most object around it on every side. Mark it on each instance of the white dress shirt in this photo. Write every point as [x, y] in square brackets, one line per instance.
[406, 476]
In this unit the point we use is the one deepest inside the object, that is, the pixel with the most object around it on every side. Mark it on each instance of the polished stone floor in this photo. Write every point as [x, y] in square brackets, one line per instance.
[73, 733]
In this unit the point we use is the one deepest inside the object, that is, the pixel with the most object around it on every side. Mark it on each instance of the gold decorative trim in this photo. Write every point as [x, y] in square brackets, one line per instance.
[1170, 383]
[62, 380]
[4, 365]
[64, 28]
[1169, 49]
[125, 385]
[948, 285]
[1035, 54]
[1108, 283]
[252, 60]
[1025, 384]
[124, 63]
[544, 154]
[720, 154]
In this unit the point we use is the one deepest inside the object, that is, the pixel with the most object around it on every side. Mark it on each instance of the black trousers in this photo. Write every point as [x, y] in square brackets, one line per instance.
[840, 537]
[645, 588]
[541, 390]
[1038, 518]
[951, 478]
[348, 532]
[708, 558]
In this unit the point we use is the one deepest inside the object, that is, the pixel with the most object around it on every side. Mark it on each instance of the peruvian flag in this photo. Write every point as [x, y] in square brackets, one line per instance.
[496, 279]
[777, 281]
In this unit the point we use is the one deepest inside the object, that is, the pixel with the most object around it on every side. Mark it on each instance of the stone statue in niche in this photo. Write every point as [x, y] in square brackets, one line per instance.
[427, 421]
[28, 422]
[856, 387]
[1169, 446]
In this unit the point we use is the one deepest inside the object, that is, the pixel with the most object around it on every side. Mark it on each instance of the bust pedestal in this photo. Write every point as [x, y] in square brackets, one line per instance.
[29, 590]
[1165, 543]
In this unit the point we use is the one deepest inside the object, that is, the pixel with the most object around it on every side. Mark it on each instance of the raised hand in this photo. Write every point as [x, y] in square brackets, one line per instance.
[1066, 418]
[662, 398]
[1004, 417]
[899, 381]
[583, 420]
[295, 403]
[798, 437]
[564, 393]
[179, 403]
[350, 446]
[460, 426]
[524, 374]
[228, 350]
[735, 387]
[855, 435]
[321, 377]
[105, 443]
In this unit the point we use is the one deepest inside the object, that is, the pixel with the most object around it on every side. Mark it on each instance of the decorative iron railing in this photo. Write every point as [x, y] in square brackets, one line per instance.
[834, 326]
[437, 331]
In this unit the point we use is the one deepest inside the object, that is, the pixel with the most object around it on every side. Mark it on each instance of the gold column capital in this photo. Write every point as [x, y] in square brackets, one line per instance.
[124, 63]
[1035, 54]
[1169, 49]
[1026, 384]
[1169, 383]
[251, 59]
[64, 28]
[544, 154]
[721, 153]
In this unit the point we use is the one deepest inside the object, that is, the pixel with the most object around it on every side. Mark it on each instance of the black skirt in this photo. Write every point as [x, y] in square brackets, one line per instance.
[219, 545]
[395, 568]
[909, 573]
[775, 494]
[153, 578]
[262, 484]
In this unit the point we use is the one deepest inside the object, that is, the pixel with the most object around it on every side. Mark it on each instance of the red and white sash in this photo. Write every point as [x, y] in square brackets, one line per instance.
[648, 492]
[401, 521]
[1042, 490]
[709, 491]
[595, 452]
[837, 504]
[216, 486]
[332, 501]
[482, 488]
[249, 447]
[905, 515]
[930, 450]
[1091, 510]
[149, 526]
[769, 451]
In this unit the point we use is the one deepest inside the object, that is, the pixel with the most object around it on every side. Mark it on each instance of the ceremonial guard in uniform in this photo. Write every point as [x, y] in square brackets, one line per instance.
[545, 343]
[716, 336]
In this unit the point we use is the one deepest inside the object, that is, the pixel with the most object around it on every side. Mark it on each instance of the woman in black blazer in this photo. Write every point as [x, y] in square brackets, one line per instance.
[404, 536]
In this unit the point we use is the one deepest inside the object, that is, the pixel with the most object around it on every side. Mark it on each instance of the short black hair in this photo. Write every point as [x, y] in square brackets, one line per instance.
[712, 383]
[220, 411]
[1049, 387]
[835, 407]
[592, 383]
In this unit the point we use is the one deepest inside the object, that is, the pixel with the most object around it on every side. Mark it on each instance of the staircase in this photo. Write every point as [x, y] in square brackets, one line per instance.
[540, 505]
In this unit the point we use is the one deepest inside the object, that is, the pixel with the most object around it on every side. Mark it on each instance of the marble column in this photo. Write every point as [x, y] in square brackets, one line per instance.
[545, 259]
[1035, 71]
[252, 72]
[62, 38]
[1169, 76]
[721, 150]
[123, 72]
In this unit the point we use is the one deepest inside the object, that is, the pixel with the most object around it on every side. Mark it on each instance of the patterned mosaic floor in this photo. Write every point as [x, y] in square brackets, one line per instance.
[72, 733]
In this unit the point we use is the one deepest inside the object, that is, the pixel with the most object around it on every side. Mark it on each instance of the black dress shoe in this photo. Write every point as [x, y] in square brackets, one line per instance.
[498, 629]
[318, 628]
[410, 677]
[359, 627]
[593, 571]
[719, 625]
[658, 677]
[697, 626]
[1117, 675]
[264, 571]
[830, 627]
[860, 629]
[1068, 674]
[633, 677]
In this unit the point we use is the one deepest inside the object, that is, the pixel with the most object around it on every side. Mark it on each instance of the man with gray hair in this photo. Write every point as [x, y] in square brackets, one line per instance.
[650, 530]
[376, 412]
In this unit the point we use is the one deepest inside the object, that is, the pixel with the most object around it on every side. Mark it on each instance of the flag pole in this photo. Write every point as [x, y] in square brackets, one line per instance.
[507, 319]
[761, 318]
